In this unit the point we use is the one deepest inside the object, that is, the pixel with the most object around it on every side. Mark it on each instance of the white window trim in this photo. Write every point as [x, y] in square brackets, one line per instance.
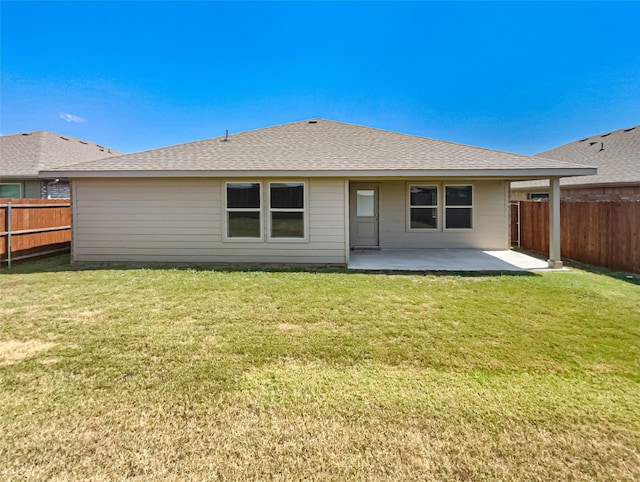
[304, 210]
[471, 206]
[19, 184]
[409, 206]
[226, 211]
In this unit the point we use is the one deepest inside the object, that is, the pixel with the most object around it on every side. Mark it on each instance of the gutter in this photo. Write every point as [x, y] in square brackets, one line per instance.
[511, 174]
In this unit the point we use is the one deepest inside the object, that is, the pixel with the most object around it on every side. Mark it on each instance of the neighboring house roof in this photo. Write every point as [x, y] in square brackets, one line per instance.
[24, 155]
[320, 147]
[616, 154]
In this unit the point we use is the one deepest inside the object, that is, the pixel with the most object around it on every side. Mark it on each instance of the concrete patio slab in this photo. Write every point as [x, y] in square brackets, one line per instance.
[444, 260]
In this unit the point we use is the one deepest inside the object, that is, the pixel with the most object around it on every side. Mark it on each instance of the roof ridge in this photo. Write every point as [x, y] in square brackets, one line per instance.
[40, 140]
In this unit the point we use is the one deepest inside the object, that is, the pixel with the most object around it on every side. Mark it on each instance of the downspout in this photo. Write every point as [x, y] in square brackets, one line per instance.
[55, 181]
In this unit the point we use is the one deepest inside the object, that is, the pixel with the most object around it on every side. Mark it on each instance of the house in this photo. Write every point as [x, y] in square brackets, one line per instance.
[23, 155]
[616, 154]
[305, 192]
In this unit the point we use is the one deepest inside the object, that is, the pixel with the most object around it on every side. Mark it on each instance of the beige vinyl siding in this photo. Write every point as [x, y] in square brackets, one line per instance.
[490, 218]
[181, 220]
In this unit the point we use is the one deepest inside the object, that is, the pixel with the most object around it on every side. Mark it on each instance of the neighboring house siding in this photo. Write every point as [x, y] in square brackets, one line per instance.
[31, 189]
[605, 193]
[602, 193]
[36, 189]
[519, 196]
[180, 220]
[490, 231]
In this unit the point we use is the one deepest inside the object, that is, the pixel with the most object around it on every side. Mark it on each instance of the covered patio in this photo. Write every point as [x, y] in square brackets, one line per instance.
[444, 260]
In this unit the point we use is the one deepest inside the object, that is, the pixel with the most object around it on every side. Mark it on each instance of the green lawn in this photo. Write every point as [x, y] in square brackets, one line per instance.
[193, 374]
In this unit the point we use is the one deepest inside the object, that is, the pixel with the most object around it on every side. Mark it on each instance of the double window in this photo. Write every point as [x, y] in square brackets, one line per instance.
[284, 214]
[424, 207]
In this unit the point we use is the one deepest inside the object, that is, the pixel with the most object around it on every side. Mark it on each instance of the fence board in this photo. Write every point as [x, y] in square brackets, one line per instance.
[513, 216]
[603, 233]
[35, 214]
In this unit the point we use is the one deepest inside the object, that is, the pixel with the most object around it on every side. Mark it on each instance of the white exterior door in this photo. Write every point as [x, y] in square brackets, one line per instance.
[364, 215]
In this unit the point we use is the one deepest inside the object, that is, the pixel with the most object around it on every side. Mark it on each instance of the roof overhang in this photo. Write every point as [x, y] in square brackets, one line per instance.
[505, 174]
[31, 177]
[594, 185]
[18, 177]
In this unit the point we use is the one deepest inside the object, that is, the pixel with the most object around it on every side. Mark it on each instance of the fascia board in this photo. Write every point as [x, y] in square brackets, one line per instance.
[510, 174]
[578, 186]
[19, 177]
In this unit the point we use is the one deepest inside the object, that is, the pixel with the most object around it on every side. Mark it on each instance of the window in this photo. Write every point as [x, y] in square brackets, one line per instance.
[423, 207]
[365, 202]
[243, 210]
[458, 207]
[540, 195]
[10, 190]
[286, 210]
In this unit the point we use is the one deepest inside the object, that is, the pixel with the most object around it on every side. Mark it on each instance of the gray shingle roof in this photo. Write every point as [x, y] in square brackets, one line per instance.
[23, 155]
[315, 145]
[616, 155]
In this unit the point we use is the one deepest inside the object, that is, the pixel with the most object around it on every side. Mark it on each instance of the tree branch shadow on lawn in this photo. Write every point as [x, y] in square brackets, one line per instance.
[63, 263]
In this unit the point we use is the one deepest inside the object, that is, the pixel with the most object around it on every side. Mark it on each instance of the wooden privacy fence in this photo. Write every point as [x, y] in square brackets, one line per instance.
[603, 233]
[34, 227]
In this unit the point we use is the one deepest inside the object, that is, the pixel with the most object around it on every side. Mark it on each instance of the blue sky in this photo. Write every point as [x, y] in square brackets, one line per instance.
[515, 76]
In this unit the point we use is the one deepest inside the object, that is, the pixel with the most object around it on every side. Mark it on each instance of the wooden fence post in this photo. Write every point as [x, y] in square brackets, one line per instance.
[9, 207]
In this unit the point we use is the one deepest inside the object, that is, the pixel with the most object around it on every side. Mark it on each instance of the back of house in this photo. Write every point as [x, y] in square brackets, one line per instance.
[307, 192]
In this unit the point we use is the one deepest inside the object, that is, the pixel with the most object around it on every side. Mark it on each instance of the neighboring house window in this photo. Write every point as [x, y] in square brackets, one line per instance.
[423, 207]
[10, 190]
[286, 210]
[458, 207]
[243, 210]
[539, 195]
[55, 189]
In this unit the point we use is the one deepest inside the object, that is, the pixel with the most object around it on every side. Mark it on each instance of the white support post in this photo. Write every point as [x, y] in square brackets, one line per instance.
[347, 228]
[555, 260]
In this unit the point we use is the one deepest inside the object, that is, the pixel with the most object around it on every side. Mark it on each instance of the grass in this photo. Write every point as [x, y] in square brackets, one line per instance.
[191, 374]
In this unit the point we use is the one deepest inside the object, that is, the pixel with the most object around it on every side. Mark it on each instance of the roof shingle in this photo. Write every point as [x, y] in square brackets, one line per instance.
[616, 154]
[23, 155]
[317, 145]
